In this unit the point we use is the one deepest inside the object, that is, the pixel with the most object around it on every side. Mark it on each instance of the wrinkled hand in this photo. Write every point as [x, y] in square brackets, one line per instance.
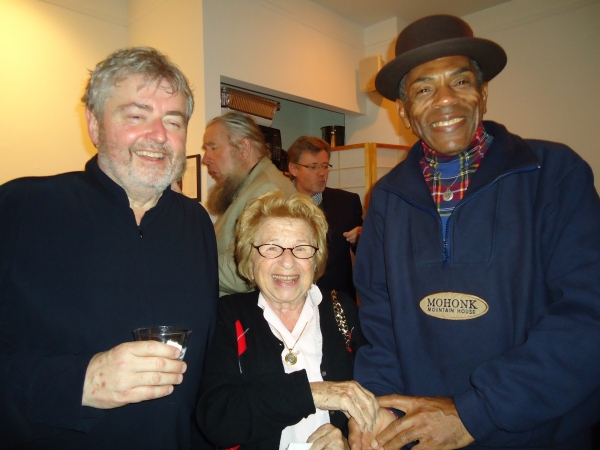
[327, 437]
[130, 373]
[353, 235]
[434, 422]
[349, 397]
[359, 440]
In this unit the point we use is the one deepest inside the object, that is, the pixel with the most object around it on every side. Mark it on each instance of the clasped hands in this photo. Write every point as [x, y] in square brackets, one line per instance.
[137, 371]
[130, 373]
[350, 398]
[433, 422]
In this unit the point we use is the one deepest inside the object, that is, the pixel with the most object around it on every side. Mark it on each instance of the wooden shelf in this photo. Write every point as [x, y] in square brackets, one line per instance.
[376, 159]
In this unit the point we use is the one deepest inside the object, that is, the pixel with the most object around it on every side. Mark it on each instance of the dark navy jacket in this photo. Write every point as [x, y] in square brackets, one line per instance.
[343, 212]
[526, 241]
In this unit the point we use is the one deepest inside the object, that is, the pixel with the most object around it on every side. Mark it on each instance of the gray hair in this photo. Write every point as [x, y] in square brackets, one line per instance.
[133, 61]
[478, 74]
[241, 126]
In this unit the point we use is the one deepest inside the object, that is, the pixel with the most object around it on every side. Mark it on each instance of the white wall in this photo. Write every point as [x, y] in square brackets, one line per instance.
[175, 28]
[46, 53]
[292, 49]
[381, 122]
[549, 88]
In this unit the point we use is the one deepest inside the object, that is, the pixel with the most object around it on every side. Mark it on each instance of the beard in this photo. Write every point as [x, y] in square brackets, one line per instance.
[221, 195]
[131, 177]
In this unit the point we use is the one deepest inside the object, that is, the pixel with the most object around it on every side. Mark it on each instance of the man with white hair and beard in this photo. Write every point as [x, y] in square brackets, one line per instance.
[87, 257]
[239, 162]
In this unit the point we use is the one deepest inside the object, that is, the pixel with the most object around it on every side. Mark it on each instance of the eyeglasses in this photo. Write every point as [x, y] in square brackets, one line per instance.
[325, 167]
[272, 251]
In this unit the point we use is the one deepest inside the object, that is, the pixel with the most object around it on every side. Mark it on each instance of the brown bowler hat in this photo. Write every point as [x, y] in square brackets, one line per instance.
[435, 37]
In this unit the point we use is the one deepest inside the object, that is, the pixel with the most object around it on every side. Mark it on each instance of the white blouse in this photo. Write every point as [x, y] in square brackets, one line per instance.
[308, 350]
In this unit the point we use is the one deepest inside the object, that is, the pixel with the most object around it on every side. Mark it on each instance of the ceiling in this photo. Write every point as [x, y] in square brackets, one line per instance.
[370, 12]
[361, 12]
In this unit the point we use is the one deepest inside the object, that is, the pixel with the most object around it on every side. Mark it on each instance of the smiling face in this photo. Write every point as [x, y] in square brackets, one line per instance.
[141, 136]
[444, 103]
[308, 181]
[286, 279]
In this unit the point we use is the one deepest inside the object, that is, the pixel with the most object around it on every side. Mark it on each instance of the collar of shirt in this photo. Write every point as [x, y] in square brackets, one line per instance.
[310, 353]
[309, 315]
[443, 172]
[317, 198]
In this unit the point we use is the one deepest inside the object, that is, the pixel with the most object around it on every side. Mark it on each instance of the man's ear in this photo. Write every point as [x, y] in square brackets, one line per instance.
[92, 126]
[402, 113]
[484, 96]
[293, 168]
[245, 149]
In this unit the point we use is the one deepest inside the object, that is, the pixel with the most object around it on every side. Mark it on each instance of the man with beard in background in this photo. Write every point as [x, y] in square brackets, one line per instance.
[239, 162]
[87, 257]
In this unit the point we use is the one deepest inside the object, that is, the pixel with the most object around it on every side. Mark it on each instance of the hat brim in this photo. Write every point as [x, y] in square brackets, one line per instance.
[489, 55]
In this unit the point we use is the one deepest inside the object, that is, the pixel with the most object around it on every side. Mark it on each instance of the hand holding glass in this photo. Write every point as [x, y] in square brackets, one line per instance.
[174, 336]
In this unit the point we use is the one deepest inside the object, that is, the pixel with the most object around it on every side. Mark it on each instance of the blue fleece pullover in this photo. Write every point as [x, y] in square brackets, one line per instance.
[526, 241]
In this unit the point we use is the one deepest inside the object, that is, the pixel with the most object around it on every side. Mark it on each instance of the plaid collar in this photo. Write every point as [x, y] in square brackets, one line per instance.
[478, 144]
[452, 174]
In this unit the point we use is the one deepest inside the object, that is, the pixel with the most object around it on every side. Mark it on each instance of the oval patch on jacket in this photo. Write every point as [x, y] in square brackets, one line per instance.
[453, 306]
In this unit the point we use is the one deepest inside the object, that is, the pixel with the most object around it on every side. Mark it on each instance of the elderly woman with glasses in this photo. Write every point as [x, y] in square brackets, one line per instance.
[280, 365]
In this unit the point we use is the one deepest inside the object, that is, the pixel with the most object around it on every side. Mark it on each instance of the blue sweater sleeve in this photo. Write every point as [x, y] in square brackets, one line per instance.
[554, 373]
[377, 365]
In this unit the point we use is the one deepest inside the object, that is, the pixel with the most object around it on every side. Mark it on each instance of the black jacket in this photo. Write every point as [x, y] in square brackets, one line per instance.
[249, 400]
[343, 212]
[77, 275]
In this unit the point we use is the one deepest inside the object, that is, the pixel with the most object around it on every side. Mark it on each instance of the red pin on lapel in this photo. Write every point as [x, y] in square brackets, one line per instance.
[241, 337]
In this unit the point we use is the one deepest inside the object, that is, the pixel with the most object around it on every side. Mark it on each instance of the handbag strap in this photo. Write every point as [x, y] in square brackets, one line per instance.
[340, 318]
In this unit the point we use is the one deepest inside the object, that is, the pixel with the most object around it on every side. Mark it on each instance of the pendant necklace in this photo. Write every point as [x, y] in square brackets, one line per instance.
[291, 358]
[448, 195]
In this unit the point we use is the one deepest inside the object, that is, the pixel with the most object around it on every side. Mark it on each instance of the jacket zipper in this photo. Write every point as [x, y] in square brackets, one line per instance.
[445, 249]
[446, 253]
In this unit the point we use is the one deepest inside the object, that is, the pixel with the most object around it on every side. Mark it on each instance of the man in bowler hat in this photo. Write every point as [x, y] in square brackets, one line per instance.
[478, 267]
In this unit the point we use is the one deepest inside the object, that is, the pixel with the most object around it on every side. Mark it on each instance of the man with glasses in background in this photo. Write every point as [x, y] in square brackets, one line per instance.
[308, 159]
